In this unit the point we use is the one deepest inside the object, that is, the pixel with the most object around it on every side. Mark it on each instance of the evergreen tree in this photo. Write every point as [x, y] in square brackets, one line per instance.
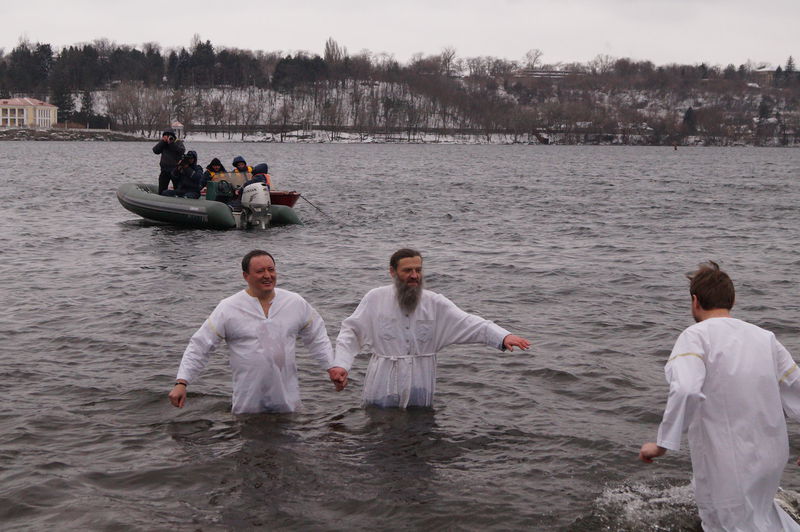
[690, 120]
[87, 104]
[790, 71]
[202, 63]
[61, 97]
[765, 108]
[154, 65]
[777, 78]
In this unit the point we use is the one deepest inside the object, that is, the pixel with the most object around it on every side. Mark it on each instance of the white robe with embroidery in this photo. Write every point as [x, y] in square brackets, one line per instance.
[729, 384]
[262, 348]
[402, 370]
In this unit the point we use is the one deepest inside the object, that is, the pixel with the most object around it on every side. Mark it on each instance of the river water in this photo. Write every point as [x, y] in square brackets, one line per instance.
[582, 250]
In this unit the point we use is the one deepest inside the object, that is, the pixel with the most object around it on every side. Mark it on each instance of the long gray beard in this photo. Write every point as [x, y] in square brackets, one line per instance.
[407, 296]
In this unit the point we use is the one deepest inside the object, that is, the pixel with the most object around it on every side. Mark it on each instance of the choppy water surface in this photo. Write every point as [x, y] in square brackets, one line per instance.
[580, 249]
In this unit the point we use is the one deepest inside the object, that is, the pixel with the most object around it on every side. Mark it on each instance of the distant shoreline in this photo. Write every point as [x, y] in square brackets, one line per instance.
[325, 137]
[101, 135]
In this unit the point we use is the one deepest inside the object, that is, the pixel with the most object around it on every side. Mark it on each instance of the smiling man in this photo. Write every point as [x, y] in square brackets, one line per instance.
[404, 326]
[260, 325]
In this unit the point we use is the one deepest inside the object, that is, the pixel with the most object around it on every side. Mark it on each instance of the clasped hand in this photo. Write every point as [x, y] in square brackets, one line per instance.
[338, 377]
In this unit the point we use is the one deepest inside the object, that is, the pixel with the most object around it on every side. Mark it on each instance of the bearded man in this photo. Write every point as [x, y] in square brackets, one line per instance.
[404, 326]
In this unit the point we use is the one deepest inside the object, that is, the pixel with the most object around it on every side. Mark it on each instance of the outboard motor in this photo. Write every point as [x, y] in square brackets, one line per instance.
[255, 205]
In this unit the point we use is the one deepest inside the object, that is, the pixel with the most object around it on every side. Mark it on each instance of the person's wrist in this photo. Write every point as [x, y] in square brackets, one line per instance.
[183, 383]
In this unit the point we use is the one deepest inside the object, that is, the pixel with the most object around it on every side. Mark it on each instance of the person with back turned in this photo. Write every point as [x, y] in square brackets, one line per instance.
[261, 325]
[729, 385]
[404, 327]
[171, 150]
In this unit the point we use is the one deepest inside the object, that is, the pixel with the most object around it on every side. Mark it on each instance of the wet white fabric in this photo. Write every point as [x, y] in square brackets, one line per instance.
[729, 384]
[402, 370]
[262, 348]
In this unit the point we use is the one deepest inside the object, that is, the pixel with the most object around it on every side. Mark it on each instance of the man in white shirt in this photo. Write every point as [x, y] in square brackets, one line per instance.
[729, 385]
[260, 325]
[404, 326]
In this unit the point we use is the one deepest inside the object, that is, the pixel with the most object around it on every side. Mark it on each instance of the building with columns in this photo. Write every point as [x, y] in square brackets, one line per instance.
[27, 113]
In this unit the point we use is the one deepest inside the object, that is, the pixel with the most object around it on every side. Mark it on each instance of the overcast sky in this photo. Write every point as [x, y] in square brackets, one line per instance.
[717, 32]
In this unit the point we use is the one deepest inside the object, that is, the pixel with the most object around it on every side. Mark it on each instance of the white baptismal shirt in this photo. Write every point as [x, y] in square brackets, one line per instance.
[729, 384]
[402, 369]
[262, 348]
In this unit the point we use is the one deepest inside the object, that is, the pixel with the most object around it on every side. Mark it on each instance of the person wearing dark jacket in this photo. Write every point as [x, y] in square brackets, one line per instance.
[260, 175]
[171, 150]
[214, 172]
[240, 167]
[187, 177]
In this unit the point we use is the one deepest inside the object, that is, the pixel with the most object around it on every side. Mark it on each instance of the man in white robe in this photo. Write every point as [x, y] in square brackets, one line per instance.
[404, 326]
[260, 325]
[729, 385]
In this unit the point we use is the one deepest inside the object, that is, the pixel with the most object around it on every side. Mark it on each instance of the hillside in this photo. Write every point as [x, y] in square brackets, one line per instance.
[238, 94]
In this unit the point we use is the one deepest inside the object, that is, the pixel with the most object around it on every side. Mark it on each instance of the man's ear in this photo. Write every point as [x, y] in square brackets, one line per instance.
[392, 272]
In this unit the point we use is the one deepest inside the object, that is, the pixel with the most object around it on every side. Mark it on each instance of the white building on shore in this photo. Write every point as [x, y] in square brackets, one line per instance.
[28, 113]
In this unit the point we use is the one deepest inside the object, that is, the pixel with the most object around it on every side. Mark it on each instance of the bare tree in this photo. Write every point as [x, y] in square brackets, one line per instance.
[533, 58]
[285, 111]
[447, 61]
[477, 67]
[334, 53]
[602, 64]
[133, 107]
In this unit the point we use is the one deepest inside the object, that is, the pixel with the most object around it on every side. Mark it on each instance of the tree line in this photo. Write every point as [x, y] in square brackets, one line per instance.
[232, 91]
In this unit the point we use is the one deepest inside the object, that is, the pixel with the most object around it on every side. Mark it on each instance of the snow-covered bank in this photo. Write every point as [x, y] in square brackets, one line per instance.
[101, 135]
[572, 139]
[320, 136]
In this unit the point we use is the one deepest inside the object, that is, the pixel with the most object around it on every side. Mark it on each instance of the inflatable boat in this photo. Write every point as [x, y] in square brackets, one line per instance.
[256, 208]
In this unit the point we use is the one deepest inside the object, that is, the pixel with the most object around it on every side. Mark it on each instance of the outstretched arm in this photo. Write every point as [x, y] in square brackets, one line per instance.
[512, 340]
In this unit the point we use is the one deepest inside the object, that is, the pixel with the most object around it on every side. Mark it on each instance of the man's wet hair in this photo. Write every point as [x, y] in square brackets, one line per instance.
[712, 286]
[250, 255]
[403, 253]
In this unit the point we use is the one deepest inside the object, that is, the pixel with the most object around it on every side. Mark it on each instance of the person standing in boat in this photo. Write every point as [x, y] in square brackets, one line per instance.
[404, 326]
[730, 383]
[171, 150]
[261, 325]
[187, 177]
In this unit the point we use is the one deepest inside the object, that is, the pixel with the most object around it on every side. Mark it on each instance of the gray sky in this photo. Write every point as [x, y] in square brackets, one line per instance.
[717, 32]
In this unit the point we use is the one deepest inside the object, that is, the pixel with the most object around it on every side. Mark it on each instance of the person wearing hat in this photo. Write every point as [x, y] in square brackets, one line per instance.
[260, 175]
[241, 169]
[187, 177]
[171, 150]
[214, 171]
